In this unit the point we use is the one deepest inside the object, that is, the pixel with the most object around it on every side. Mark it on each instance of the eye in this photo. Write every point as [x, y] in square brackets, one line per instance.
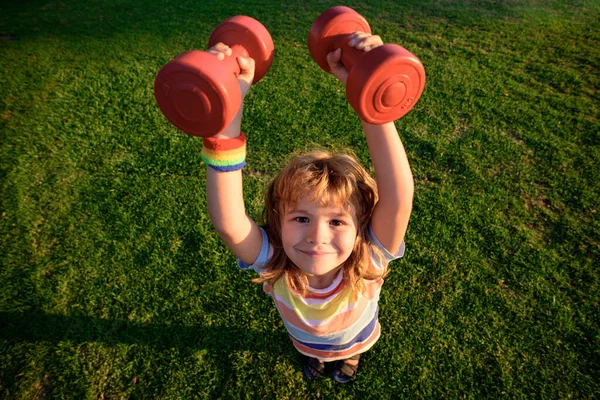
[302, 220]
[337, 222]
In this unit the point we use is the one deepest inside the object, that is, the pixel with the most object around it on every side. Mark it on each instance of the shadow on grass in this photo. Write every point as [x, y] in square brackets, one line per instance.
[36, 326]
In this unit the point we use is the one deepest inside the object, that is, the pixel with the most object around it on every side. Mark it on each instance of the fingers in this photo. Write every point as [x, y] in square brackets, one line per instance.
[246, 64]
[334, 58]
[364, 41]
[335, 64]
[360, 41]
[220, 50]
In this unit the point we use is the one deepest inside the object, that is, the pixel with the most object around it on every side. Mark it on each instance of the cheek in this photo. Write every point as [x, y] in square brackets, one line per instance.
[287, 235]
[348, 241]
[284, 234]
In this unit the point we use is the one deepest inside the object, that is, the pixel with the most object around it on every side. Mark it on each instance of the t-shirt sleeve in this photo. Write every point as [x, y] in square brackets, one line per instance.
[263, 256]
[386, 254]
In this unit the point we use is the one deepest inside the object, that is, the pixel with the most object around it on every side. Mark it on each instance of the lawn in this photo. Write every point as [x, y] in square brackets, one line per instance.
[114, 284]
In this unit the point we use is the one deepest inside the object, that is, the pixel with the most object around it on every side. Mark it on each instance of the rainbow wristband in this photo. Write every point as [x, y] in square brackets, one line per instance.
[224, 155]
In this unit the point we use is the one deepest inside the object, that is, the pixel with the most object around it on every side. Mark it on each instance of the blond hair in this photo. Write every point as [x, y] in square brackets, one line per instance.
[326, 179]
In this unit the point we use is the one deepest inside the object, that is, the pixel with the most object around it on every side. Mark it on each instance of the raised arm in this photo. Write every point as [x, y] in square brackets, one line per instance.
[395, 184]
[224, 191]
[394, 178]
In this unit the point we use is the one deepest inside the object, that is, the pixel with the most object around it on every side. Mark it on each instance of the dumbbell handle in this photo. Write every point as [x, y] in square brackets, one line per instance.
[349, 54]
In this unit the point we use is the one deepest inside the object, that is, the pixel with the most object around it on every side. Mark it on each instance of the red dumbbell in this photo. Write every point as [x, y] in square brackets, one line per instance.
[199, 93]
[383, 84]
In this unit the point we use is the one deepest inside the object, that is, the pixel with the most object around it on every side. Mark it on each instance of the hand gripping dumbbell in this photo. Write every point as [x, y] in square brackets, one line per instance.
[384, 83]
[199, 93]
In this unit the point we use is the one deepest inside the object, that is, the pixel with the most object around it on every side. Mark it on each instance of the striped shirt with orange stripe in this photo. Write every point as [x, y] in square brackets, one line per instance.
[330, 324]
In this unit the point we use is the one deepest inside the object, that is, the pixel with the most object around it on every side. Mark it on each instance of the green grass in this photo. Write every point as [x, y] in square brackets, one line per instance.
[114, 284]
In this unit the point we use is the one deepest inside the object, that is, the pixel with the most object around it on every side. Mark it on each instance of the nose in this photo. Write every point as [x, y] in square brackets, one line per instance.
[318, 233]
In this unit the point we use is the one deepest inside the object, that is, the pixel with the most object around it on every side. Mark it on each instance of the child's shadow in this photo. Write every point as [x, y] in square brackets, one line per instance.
[37, 326]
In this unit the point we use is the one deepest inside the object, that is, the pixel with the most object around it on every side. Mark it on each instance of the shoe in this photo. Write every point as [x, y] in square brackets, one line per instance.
[316, 365]
[344, 372]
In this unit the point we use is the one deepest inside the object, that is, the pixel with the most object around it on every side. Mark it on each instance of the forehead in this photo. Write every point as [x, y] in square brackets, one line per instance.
[315, 207]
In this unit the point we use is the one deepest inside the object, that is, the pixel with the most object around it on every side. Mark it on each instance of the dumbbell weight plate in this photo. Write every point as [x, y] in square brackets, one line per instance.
[385, 84]
[252, 36]
[328, 29]
[197, 94]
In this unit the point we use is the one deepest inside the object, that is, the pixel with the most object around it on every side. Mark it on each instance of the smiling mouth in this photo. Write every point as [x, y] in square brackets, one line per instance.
[315, 253]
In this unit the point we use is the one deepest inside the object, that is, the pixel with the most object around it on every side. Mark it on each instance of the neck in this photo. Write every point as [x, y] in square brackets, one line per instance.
[322, 281]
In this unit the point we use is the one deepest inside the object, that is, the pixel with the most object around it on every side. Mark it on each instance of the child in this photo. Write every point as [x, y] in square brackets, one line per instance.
[330, 231]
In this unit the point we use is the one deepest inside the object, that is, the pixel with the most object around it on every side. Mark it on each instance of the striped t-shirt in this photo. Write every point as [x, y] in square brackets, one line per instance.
[330, 324]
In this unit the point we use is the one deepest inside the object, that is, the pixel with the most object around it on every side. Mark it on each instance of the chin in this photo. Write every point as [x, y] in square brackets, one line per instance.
[317, 270]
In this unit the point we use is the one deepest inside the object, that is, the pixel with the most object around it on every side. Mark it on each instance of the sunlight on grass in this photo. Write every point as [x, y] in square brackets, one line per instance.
[115, 285]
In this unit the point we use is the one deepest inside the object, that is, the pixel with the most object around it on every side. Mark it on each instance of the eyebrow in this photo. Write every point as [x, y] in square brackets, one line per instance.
[332, 214]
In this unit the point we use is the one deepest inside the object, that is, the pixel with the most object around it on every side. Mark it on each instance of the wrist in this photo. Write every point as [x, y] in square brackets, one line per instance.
[368, 125]
[224, 154]
[234, 128]
[378, 130]
[228, 133]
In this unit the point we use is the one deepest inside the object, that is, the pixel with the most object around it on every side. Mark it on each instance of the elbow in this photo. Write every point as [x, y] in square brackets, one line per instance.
[221, 229]
[219, 222]
[226, 231]
[397, 201]
[405, 198]
[227, 234]
[230, 231]
[403, 213]
[404, 208]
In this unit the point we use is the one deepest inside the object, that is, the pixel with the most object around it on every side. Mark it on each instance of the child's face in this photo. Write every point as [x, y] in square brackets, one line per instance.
[318, 239]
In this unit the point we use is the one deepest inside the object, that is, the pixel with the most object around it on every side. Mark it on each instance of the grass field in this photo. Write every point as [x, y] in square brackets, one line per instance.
[114, 285]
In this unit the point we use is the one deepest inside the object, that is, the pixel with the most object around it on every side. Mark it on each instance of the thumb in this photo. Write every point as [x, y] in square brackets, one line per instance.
[334, 59]
[246, 69]
[246, 75]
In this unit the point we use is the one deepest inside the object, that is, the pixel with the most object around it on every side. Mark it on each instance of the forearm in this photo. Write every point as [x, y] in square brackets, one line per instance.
[228, 215]
[224, 192]
[392, 170]
[225, 200]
